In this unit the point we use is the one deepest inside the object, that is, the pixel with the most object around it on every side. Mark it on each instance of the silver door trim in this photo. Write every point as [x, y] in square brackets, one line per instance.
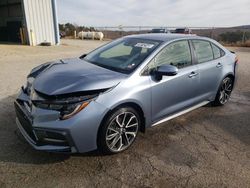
[181, 112]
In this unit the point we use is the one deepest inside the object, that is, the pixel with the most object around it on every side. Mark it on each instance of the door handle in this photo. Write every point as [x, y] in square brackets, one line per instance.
[193, 74]
[219, 65]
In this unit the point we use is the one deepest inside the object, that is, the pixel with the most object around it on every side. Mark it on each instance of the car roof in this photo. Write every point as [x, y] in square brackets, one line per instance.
[165, 37]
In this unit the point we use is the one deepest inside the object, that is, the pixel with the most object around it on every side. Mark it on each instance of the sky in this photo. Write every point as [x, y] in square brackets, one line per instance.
[191, 13]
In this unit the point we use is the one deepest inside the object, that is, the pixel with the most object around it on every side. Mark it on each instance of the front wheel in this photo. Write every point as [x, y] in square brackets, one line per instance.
[119, 131]
[224, 92]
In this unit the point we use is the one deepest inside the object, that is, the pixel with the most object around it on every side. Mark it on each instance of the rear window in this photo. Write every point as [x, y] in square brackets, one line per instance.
[203, 50]
[217, 51]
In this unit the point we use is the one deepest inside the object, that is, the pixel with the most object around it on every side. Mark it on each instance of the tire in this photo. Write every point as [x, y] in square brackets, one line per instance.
[118, 131]
[224, 92]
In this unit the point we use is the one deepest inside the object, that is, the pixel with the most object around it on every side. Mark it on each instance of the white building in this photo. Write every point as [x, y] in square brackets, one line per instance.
[31, 22]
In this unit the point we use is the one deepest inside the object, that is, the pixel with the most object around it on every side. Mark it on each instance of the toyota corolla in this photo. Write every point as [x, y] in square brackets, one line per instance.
[102, 99]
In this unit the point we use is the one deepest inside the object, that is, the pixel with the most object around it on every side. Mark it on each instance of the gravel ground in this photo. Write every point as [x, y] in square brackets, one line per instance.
[208, 147]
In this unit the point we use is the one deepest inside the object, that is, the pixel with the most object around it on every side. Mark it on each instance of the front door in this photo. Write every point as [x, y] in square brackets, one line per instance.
[174, 93]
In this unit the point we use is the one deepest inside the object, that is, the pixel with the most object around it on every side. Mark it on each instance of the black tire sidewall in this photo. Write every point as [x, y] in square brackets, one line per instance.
[217, 102]
[101, 139]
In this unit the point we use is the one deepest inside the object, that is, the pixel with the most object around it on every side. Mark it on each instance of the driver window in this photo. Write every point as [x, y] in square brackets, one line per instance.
[177, 54]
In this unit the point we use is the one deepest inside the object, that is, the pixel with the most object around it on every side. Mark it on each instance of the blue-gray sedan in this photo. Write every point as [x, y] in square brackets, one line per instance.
[101, 100]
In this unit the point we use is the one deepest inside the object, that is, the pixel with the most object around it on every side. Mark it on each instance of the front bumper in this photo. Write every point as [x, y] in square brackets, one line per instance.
[42, 139]
[43, 129]
[48, 148]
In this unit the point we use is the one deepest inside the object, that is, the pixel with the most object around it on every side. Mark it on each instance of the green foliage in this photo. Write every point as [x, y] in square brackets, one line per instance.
[234, 37]
[70, 28]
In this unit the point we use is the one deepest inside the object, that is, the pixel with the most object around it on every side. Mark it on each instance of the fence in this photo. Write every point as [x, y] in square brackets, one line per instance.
[234, 35]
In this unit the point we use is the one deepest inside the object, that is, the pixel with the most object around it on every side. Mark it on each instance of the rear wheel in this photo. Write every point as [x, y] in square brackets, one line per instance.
[119, 131]
[224, 92]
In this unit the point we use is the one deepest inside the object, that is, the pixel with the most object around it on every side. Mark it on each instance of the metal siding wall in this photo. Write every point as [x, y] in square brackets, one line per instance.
[51, 21]
[39, 19]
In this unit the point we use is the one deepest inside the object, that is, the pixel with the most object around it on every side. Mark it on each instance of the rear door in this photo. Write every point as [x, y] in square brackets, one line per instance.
[210, 67]
[174, 93]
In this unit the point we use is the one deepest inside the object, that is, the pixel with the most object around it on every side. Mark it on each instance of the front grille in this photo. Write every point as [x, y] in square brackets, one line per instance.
[24, 120]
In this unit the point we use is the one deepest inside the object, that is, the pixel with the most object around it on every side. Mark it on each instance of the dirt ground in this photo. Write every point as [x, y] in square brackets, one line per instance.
[208, 147]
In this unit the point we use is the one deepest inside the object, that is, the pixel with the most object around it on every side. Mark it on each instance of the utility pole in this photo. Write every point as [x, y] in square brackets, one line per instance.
[243, 37]
[120, 27]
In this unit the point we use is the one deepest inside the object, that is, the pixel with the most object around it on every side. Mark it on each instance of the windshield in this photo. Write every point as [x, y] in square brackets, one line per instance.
[158, 31]
[122, 55]
[180, 31]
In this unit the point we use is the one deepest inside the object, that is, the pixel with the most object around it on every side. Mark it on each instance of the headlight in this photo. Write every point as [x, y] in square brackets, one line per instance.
[71, 109]
[27, 86]
[67, 108]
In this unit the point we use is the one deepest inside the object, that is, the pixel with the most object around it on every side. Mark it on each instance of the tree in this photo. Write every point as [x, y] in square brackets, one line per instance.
[233, 37]
[70, 28]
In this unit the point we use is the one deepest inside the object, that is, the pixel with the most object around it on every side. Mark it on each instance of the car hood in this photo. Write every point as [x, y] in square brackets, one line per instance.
[71, 76]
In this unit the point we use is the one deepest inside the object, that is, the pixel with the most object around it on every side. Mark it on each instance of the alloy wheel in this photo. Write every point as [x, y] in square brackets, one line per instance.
[225, 90]
[122, 131]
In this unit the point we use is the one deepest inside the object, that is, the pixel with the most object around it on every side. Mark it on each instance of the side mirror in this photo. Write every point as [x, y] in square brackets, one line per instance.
[165, 70]
[83, 56]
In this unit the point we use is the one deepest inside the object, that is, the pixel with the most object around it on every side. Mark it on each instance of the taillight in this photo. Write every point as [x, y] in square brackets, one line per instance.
[236, 59]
